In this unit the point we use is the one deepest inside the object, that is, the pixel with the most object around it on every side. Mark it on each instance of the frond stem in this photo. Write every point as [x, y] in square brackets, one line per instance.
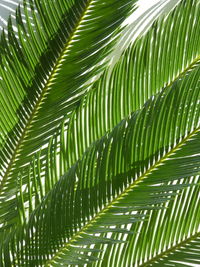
[169, 250]
[183, 72]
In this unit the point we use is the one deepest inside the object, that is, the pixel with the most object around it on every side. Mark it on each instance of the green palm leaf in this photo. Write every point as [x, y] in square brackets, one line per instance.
[135, 78]
[72, 213]
[100, 162]
[46, 89]
[77, 139]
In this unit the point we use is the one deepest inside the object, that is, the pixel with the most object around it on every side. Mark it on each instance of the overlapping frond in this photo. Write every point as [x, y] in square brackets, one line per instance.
[172, 164]
[127, 86]
[154, 61]
[44, 67]
[127, 143]
[133, 169]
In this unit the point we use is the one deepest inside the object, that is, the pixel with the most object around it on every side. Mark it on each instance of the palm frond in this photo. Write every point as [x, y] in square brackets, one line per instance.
[131, 79]
[107, 188]
[37, 76]
[100, 162]
[145, 68]
[129, 85]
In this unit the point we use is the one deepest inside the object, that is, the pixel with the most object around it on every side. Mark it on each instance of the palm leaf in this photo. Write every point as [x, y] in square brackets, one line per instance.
[118, 182]
[136, 77]
[38, 77]
[72, 146]
[129, 87]
[73, 213]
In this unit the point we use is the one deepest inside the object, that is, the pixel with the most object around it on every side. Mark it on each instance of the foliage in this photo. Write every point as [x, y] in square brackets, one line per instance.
[99, 162]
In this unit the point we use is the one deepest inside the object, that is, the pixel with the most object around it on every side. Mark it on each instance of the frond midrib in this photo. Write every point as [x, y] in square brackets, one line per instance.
[188, 68]
[171, 249]
[45, 91]
[124, 193]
